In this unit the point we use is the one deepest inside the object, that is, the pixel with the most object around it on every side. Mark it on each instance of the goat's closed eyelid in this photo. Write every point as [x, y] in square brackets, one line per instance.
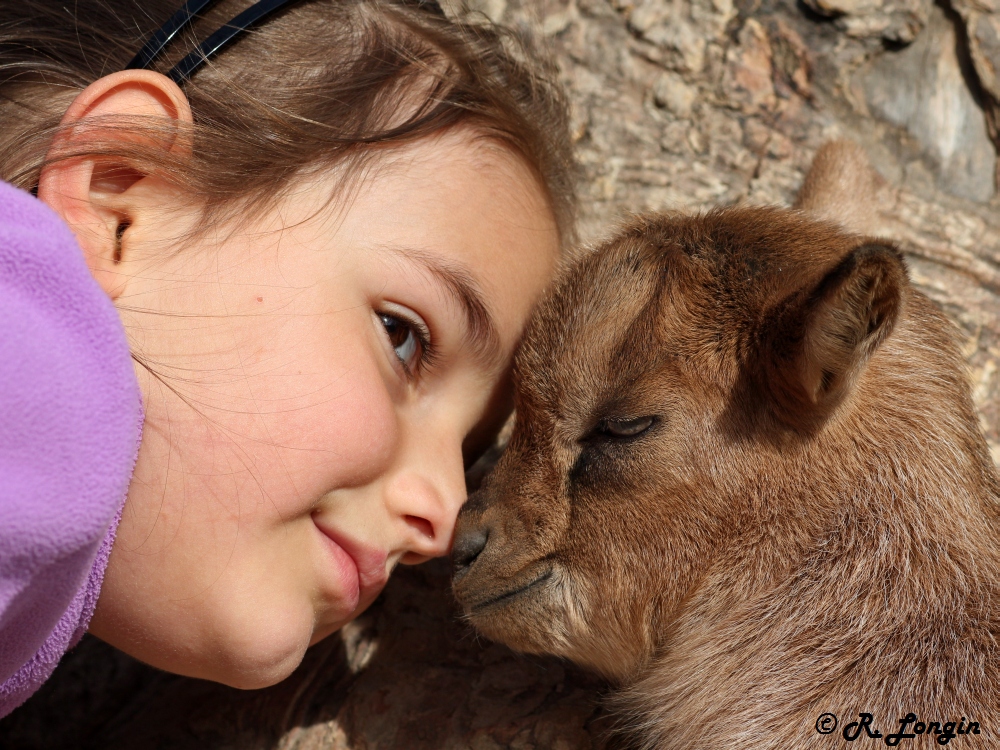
[623, 428]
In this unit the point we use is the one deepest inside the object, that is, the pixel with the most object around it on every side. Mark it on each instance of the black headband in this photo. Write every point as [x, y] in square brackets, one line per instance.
[253, 15]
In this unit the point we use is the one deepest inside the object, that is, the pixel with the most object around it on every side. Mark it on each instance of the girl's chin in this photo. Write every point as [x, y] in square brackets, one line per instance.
[250, 667]
[335, 622]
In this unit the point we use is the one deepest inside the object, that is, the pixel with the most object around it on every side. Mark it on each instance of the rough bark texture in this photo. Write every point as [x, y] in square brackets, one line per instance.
[678, 104]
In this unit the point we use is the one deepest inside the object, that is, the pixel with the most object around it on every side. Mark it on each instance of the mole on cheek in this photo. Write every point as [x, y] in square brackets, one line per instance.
[260, 299]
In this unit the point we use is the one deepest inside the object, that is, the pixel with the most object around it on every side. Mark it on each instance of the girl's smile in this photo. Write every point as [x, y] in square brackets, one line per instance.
[363, 568]
[314, 385]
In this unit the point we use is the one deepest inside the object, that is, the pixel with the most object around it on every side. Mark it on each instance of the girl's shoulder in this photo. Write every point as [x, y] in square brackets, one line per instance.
[67, 387]
[70, 421]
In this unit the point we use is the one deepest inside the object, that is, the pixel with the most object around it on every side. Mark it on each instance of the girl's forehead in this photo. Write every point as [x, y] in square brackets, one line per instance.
[461, 198]
[469, 155]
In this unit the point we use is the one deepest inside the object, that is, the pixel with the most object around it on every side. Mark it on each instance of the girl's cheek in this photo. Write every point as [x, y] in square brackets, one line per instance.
[330, 411]
[360, 430]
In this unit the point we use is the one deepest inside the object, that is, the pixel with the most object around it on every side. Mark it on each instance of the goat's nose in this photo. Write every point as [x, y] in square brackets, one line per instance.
[469, 543]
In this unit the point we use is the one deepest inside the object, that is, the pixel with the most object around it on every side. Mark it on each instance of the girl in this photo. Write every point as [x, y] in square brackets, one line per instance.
[283, 274]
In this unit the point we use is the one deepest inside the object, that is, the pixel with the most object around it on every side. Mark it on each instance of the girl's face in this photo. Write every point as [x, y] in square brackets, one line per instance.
[321, 375]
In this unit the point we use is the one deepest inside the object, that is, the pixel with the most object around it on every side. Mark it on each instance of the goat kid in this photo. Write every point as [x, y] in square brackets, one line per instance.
[747, 483]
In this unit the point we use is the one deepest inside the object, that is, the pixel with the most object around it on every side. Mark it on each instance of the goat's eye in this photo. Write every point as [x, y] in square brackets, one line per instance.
[625, 428]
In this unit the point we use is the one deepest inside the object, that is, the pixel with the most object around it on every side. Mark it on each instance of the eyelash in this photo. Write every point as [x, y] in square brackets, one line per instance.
[428, 353]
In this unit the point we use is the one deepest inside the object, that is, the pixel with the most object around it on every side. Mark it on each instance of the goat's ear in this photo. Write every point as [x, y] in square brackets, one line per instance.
[822, 337]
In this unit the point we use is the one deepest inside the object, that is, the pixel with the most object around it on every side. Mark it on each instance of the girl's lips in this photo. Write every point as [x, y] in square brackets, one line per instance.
[362, 568]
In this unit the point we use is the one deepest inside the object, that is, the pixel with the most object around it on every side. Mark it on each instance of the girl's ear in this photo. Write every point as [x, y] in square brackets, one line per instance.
[93, 194]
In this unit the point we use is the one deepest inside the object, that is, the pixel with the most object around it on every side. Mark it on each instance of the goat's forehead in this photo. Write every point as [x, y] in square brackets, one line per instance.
[671, 277]
[594, 317]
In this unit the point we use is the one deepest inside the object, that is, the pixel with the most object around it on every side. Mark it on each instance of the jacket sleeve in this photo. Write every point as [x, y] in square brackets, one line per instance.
[70, 421]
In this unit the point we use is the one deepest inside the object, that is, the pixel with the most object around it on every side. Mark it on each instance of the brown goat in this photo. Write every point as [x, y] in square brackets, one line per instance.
[747, 483]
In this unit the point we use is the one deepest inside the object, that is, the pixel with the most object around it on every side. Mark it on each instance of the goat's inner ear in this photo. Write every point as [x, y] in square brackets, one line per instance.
[822, 337]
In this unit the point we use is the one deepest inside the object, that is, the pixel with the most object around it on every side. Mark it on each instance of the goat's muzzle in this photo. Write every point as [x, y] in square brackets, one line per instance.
[470, 541]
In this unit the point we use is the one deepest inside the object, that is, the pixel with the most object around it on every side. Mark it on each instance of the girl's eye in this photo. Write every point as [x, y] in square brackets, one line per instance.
[406, 341]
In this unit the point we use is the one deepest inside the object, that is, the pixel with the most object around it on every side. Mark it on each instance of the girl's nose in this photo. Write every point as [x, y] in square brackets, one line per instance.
[424, 497]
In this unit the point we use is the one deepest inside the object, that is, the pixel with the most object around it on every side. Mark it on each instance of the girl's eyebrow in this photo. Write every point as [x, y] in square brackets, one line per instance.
[465, 292]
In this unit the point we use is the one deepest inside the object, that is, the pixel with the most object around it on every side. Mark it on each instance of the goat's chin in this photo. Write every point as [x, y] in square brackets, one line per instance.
[534, 620]
[550, 619]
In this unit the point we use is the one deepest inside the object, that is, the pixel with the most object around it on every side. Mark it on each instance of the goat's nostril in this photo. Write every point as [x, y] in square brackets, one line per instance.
[468, 545]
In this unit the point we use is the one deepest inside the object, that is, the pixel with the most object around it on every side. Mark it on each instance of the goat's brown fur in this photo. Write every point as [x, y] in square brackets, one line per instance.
[810, 522]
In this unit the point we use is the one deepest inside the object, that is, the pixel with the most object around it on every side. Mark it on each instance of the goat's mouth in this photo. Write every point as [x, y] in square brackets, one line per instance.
[489, 602]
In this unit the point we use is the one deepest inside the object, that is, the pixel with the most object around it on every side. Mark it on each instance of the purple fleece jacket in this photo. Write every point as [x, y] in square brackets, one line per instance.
[70, 424]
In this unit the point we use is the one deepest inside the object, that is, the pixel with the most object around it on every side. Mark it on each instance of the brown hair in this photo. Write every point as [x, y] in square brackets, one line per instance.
[323, 82]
